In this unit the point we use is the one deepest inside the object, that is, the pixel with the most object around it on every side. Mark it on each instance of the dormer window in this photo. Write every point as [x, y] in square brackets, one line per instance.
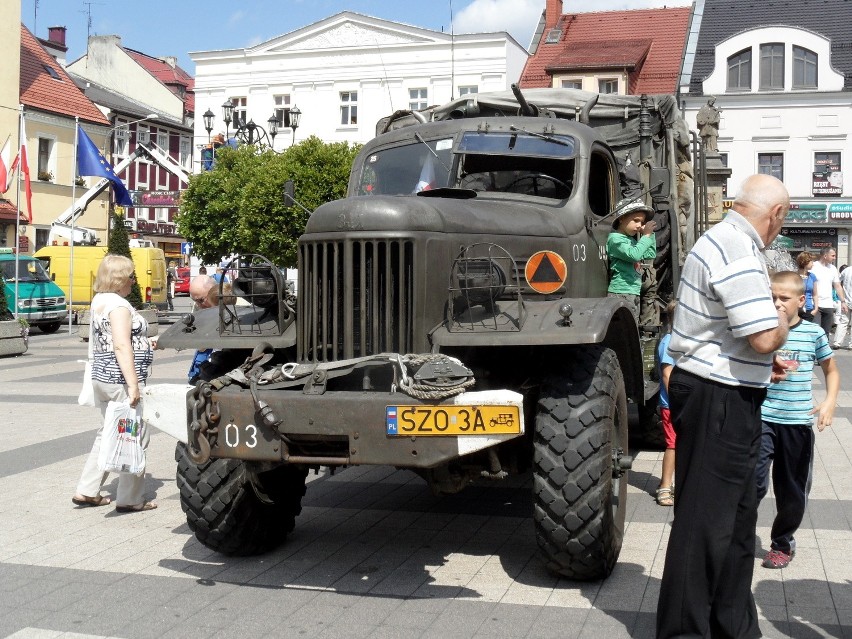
[51, 72]
[553, 36]
[739, 71]
[772, 66]
[804, 68]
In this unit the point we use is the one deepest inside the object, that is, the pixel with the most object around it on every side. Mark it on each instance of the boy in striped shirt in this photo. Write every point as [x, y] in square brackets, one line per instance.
[787, 437]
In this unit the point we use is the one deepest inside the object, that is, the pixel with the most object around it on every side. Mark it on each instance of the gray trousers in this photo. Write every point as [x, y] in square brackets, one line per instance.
[131, 489]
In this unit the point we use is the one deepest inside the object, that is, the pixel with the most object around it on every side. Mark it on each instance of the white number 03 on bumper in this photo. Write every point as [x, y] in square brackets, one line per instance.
[453, 420]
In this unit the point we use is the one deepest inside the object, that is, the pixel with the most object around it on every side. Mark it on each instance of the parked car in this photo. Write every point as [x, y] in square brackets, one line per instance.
[182, 281]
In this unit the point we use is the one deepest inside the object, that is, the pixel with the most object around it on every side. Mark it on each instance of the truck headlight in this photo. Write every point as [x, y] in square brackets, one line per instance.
[60, 300]
[25, 303]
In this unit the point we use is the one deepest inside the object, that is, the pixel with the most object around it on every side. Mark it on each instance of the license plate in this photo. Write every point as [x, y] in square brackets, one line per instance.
[432, 421]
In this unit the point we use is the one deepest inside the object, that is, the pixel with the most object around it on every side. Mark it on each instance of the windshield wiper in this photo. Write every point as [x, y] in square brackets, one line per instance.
[542, 136]
[431, 150]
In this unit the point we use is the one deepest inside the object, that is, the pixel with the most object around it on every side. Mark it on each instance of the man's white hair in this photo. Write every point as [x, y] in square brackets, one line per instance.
[761, 192]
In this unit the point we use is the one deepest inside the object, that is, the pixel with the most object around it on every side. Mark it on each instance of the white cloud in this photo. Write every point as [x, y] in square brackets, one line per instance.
[518, 17]
[236, 17]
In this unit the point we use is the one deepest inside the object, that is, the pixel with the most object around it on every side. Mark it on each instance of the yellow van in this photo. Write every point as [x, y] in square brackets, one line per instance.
[150, 272]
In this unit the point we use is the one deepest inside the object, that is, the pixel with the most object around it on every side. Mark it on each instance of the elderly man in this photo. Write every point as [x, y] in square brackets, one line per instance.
[202, 291]
[725, 331]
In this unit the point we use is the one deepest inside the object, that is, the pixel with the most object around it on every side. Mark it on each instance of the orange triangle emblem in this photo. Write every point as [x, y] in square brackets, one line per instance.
[545, 272]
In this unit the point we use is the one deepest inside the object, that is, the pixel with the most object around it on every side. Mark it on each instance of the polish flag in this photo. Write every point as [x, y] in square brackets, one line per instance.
[25, 170]
[7, 170]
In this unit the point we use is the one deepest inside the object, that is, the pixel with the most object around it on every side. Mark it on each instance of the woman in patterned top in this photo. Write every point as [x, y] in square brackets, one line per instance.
[121, 359]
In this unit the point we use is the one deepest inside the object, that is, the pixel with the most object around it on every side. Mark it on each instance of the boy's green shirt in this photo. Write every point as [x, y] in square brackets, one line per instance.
[625, 254]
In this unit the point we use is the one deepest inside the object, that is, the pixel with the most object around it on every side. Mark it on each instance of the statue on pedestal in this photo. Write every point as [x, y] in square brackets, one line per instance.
[708, 125]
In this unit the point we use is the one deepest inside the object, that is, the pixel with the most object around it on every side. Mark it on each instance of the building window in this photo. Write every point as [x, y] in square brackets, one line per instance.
[45, 151]
[185, 153]
[143, 135]
[417, 99]
[771, 164]
[163, 140]
[120, 143]
[739, 71]
[553, 36]
[240, 110]
[804, 68]
[468, 90]
[772, 66]
[282, 102]
[608, 85]
[348, 107]
[571, 84]
[826, 162]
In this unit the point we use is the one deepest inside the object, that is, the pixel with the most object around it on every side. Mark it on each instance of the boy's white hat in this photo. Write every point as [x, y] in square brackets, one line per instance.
[628, 206]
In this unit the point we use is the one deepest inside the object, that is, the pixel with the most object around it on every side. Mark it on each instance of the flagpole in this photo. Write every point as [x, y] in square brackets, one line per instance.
[73, 200]
[18, 206]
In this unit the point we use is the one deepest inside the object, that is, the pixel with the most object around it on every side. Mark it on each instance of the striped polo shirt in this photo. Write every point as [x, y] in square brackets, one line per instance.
[724, 297]
[791, 401]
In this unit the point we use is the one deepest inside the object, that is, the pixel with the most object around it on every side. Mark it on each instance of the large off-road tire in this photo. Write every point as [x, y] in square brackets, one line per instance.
[51, 327]
[232, 515]
[580, 435]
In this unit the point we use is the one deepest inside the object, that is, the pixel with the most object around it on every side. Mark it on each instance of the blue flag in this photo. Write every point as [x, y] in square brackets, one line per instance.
[91, 162]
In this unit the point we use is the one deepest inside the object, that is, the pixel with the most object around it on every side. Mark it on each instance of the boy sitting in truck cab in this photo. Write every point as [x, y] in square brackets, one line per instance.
[631, 241]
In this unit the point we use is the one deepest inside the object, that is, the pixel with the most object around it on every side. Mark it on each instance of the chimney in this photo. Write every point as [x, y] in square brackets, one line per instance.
[170, 60]
[56, 35]
[552, 12]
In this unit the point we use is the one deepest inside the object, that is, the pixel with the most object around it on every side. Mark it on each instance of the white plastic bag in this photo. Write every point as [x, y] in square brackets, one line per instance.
[87, 393]
[121, 440]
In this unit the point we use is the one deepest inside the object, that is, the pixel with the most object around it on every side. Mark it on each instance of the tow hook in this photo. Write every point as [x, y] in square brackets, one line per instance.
[621, 463]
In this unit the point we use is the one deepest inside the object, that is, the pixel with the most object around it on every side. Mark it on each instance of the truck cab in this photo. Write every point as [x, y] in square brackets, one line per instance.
[30, 293]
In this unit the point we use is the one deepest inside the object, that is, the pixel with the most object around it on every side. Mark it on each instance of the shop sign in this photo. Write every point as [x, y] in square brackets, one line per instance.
[162, 199]
[801, 212]
[840, 211]
[23, 244]
[158, 228]
[827, 184]
[810, 239]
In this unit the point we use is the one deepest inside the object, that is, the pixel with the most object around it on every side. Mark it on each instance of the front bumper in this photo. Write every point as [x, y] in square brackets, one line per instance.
[335, 428]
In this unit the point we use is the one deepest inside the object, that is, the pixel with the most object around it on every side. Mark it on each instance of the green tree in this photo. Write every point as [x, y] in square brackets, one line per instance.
[239, 207]
[5, 313]
[119, 244]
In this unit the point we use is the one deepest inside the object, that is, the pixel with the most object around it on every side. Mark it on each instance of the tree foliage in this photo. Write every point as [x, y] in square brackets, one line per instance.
[119, 244]
[239, 207]
[5, 313]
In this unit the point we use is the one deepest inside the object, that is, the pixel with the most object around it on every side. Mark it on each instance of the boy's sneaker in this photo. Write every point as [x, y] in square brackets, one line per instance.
[777, 559]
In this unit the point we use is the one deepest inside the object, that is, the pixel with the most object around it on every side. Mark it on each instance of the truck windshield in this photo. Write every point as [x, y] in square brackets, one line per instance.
[409, 169]
[517, 163]
[28, 271]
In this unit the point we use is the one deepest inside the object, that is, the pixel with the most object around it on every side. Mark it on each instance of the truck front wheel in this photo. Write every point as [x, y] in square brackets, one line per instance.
[233, 512]
[580, 489]
[50, 327]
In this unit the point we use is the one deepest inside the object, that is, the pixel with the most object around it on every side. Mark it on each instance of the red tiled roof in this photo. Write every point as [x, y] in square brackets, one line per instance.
[40, 90]
[9, 211]
[608, 39]
[171, 76]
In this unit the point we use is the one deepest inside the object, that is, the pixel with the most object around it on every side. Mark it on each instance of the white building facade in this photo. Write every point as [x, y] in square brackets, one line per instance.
[346, 72]
[785, 111]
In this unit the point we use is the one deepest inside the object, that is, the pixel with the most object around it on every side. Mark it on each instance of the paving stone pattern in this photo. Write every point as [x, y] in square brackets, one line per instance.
[374, 553]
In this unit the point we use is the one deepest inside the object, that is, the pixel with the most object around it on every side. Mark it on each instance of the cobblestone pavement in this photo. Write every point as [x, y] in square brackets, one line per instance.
[374, 554]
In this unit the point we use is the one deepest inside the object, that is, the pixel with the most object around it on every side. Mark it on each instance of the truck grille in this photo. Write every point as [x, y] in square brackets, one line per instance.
[355, 298]
[45, 301]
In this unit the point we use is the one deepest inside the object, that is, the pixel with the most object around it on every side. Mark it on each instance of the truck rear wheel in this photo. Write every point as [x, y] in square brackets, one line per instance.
[580, 491]
[230, 513]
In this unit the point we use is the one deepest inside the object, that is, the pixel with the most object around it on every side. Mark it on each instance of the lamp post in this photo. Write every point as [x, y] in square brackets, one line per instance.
[291, 120]
[227, 115]
[250, 132]
[208, 123]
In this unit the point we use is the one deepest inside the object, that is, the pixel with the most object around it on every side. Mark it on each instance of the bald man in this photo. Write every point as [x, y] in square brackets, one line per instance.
[725, 332]
[199, 291]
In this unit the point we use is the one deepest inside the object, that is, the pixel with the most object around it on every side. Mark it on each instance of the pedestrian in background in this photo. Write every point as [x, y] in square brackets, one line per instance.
[725, 332]
[121, 361]
[828, 283]
[787, 439]
[171, 278]
[665, 363]
[805, 261]
[843, 319]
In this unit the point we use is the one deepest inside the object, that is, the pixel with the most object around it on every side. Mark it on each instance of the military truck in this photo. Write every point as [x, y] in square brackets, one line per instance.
[451, 319]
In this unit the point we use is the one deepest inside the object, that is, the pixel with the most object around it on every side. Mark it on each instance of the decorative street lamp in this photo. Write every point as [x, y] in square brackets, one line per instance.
[208, 123]
[228, 115]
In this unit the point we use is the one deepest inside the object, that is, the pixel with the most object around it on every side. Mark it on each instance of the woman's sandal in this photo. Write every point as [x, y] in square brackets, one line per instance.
[148, 505]
[100, 500]
[665, 496]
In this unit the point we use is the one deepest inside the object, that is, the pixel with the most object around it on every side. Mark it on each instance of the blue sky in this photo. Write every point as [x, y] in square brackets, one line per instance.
[176, 27]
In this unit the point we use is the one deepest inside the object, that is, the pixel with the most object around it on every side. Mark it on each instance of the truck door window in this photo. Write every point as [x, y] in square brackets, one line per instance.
[600, 185]
[28, 271]
[408, 169]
